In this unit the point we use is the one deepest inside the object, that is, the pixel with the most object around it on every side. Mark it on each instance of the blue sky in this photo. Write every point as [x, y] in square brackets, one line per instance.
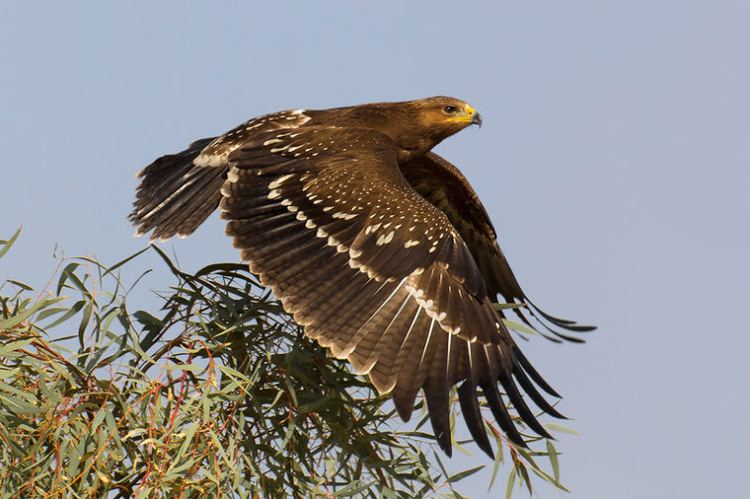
[614, 161]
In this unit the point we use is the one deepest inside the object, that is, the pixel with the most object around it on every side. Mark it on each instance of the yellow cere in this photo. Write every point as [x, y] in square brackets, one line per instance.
[467, 116]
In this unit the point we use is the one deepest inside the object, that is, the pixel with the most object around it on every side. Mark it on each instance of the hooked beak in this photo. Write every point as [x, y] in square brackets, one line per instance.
[476, 119]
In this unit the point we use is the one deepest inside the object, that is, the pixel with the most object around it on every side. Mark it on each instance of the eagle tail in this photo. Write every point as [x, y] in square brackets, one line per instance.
[175, 196]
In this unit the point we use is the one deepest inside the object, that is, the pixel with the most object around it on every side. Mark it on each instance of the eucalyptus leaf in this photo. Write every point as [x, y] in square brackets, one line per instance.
[7, 244]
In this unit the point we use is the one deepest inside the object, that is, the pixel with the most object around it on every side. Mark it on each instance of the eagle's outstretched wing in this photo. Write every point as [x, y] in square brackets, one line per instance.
[375, 273]
[443, 185]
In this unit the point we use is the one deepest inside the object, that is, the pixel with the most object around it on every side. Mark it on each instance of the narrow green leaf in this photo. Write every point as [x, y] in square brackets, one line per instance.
[498, 459]
[73, 310]
[13, 346]
[98, 419]
[553, 460]
[560, 428]
[354, 488]
[65, 275]
[5, 245]
[177, 470]
[511, 483]
[188, 440]
[14, 320]
[88, 310]
[18, 405]
[109, 270]
[193, 368]
[525, 476]
[517, 326]
[508, 306]
[49, 312]
[463, 474]
[21, 285]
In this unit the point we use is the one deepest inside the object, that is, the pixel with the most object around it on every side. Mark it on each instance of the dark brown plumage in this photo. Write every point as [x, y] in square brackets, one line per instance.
[379, 248]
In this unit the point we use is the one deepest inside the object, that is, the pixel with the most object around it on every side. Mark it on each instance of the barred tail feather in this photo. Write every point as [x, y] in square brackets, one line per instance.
[175, 196]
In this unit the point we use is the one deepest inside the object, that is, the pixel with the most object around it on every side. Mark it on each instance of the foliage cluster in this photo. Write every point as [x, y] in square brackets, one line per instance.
[216, 394]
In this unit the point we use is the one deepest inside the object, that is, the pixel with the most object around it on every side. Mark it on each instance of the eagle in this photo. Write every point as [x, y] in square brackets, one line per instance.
[379, 248]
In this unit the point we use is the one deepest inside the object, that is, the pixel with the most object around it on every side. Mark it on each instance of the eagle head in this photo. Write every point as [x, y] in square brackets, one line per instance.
[432, 120]
[447, 115]
[416, 126]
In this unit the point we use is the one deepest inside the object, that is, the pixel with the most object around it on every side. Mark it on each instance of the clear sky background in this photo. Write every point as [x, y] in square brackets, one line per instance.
[614, 161]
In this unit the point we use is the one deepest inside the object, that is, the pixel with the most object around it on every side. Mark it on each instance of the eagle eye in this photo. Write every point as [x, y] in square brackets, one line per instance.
[450, 109]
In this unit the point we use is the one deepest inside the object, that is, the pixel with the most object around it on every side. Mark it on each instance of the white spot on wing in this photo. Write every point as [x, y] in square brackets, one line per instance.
[385, 238]
[276, 183]
[213, 160]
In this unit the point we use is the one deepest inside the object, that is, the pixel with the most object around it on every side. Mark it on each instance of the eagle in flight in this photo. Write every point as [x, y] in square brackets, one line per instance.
[377, 246]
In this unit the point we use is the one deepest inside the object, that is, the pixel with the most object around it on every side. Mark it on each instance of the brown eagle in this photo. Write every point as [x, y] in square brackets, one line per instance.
[378, 247]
